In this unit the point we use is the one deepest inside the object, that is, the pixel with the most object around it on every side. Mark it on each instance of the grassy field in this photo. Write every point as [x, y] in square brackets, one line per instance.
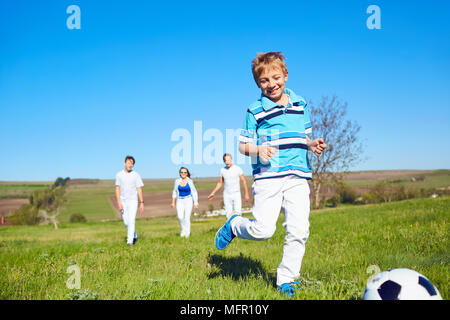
[21, 191]
[432, 179]
[92, 201]
[90, 196]
[343, 244]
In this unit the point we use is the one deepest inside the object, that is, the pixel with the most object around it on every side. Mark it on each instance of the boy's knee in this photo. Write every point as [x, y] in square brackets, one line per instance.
[262, 232]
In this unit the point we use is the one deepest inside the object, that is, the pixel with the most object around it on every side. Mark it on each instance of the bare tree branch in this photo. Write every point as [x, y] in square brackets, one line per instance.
[329, 122]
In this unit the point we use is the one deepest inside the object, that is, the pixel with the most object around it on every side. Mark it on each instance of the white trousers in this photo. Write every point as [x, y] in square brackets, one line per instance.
[232, 203]
[184, 209]
[129, 218]
[290, 193]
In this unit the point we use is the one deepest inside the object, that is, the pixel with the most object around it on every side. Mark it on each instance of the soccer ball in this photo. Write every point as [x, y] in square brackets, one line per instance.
[400, 284]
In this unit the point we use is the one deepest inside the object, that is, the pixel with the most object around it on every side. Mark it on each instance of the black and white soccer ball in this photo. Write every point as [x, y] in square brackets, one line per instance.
[400, 284]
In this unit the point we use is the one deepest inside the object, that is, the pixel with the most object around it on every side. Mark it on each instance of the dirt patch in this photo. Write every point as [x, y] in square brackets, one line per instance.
[384, 174]
[7, 206]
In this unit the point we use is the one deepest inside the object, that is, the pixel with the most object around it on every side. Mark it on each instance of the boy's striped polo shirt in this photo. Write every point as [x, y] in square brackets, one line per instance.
[284, 128]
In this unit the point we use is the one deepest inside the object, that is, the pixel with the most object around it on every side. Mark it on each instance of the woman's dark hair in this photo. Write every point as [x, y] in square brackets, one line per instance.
[188, 173]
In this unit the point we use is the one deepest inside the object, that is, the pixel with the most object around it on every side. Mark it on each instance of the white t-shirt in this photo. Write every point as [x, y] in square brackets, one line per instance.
[231, 179]
[128, 182]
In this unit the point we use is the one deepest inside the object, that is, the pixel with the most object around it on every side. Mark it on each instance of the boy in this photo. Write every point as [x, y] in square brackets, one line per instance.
[128, 189]
[276, 133]
[230, 175]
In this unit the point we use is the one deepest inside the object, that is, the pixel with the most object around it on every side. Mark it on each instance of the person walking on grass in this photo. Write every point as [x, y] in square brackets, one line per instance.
[128, 193]
[185, 194]
[231, 176]
[276, 134]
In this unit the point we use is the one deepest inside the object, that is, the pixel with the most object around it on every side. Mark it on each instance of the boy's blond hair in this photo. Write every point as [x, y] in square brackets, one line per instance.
[268, 60]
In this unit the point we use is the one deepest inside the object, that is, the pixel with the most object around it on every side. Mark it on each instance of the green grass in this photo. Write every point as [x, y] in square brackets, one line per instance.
[91, 202]
[19, 191]
[24, 187]
[343, 243]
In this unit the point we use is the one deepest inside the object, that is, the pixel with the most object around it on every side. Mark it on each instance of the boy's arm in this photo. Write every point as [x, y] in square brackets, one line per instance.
[141, 199]
[316, 146]
[248, 149]
[217, 188]
[119, 204]
[264, 152]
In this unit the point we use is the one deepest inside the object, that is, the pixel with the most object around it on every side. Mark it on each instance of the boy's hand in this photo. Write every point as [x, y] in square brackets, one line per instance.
[266, 152]
[211, 196]
[317, 146]
[195, 206]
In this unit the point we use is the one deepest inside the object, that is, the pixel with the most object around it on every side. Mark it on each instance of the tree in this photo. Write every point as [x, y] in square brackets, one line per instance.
[43, 207]
[60, 182]
[344, 149]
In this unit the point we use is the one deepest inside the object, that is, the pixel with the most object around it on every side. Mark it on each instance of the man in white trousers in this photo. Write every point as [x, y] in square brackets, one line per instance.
[231, 176]
[128, 192]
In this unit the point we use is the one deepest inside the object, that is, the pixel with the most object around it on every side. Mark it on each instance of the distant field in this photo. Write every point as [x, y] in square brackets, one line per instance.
[343, 244]
[93, 198]
[17, 191]
[418, 179]
[96, 203]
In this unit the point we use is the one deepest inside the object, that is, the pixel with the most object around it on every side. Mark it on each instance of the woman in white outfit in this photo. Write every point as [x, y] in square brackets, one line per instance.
[185, 194]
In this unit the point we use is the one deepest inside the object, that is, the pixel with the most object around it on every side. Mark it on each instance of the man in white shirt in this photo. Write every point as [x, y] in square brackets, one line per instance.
[128, 190]
[230, 176]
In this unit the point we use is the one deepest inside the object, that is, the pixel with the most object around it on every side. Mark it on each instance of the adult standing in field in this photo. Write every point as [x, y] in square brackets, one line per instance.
[128, 191]
[231, 176]
[185, 194]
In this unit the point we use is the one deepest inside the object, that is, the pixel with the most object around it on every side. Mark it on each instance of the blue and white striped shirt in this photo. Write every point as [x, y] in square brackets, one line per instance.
[284, 128]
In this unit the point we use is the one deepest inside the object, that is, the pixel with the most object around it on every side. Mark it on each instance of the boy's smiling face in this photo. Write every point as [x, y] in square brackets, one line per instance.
[272, 83]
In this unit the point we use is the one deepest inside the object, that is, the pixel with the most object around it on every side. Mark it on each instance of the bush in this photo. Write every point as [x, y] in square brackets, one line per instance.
[381, 192]
[368, 198]
[346, 193]
[77, 217]
[25, 215]
[60, 182]
[334, 201]
[48, 200]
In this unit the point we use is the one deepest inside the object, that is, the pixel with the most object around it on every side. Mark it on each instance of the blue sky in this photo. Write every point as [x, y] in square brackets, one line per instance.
[75, 102]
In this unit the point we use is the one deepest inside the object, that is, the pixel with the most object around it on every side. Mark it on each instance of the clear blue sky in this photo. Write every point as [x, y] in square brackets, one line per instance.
[75, 102]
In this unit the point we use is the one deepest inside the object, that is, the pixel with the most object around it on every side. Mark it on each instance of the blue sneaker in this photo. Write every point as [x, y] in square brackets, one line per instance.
[288, 289]
[225, 235]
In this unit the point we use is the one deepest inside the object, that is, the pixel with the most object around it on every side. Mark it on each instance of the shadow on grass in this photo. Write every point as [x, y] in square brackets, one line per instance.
[239, 268]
